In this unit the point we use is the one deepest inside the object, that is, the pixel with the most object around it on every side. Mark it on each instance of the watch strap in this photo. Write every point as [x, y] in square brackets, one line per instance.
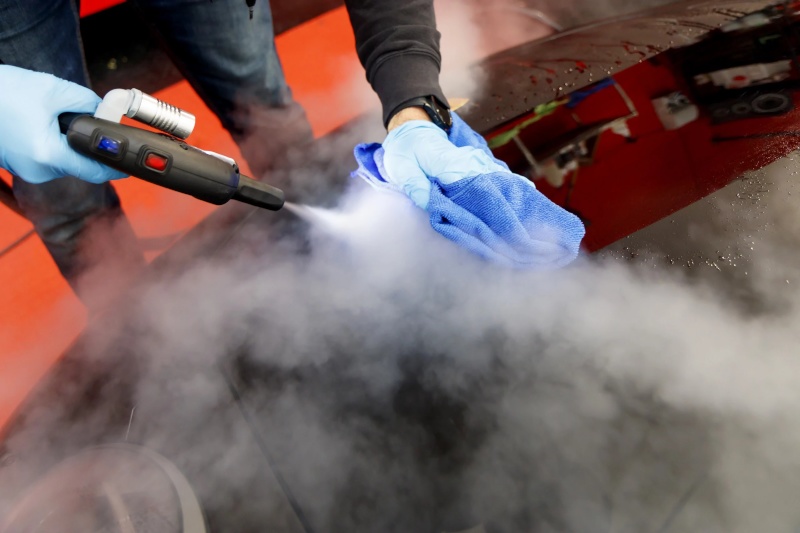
[438, 112]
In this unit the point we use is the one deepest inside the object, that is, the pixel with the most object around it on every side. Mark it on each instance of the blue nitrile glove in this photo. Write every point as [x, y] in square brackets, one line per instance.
[31, 143]
[418, 150]
[472, 199]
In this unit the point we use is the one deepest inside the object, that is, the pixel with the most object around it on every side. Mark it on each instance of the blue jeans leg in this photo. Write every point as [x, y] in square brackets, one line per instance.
[44, 36]
[232, 63]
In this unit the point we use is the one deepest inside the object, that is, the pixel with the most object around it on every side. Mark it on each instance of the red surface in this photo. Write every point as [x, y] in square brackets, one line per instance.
[89, 7]
[39, 315]
[629, 186]
[632, 185]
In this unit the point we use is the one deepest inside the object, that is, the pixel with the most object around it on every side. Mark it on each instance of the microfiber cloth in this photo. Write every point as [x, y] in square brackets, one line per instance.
[500, 216]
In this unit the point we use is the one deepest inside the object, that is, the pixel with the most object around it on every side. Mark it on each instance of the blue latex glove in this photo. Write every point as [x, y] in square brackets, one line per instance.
[418, 151]
[471, 198]
[31, 144]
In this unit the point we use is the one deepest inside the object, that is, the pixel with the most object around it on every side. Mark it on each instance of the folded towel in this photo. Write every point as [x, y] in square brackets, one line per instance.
[499, 216]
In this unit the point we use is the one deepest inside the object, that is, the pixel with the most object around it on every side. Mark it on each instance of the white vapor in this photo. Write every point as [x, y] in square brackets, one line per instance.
[402, 384]
[593, 398]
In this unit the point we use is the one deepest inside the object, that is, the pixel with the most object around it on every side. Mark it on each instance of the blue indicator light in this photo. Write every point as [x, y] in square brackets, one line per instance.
[107, 144]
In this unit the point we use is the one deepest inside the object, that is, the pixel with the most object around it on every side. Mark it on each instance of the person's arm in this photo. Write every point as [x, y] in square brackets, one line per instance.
[398, 44]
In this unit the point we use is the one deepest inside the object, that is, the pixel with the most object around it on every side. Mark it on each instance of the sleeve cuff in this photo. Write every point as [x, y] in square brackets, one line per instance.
[403, 77]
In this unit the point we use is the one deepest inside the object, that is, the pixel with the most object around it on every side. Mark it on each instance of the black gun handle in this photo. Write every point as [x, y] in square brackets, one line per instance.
[165, 161]
[65, 119]
[153, 157]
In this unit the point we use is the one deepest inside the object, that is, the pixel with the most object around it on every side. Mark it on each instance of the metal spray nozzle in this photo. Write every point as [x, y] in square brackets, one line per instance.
[147, 109]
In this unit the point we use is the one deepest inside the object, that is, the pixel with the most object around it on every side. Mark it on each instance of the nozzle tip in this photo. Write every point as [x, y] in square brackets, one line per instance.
[259, 194]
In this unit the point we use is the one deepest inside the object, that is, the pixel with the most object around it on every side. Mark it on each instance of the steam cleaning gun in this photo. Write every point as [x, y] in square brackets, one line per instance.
[161, 158]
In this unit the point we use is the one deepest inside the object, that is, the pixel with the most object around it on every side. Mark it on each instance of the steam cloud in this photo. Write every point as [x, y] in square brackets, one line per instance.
[401, 384]
[591, 399]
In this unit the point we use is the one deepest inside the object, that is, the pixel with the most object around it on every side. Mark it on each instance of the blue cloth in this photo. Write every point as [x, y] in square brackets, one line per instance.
[499, 216]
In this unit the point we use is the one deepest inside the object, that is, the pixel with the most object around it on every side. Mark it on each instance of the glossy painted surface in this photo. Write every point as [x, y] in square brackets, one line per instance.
[540, 71]
[629, 184]
[40, 316]
[287, 13]
[608, 190]
[625, 184]
[90, 7]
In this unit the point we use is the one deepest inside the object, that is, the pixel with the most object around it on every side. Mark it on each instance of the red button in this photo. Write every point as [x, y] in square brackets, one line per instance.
[156, 162]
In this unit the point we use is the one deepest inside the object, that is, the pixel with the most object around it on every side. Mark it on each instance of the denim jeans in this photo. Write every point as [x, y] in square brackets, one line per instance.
[231, 62]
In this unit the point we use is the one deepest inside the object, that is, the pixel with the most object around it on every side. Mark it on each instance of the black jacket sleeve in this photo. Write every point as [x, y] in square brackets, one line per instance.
[398, 44]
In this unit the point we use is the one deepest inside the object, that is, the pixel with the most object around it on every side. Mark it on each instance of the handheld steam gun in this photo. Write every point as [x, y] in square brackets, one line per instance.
[161, 158]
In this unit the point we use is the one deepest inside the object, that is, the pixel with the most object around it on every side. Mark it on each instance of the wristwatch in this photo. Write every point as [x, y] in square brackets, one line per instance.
[438, 112]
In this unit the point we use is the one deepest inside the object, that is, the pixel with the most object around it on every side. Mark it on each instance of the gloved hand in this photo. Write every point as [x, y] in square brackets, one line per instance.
[419, 151]
[31, 144]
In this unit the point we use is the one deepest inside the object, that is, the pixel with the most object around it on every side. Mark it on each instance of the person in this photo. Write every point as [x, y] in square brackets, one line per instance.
[231, 61]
